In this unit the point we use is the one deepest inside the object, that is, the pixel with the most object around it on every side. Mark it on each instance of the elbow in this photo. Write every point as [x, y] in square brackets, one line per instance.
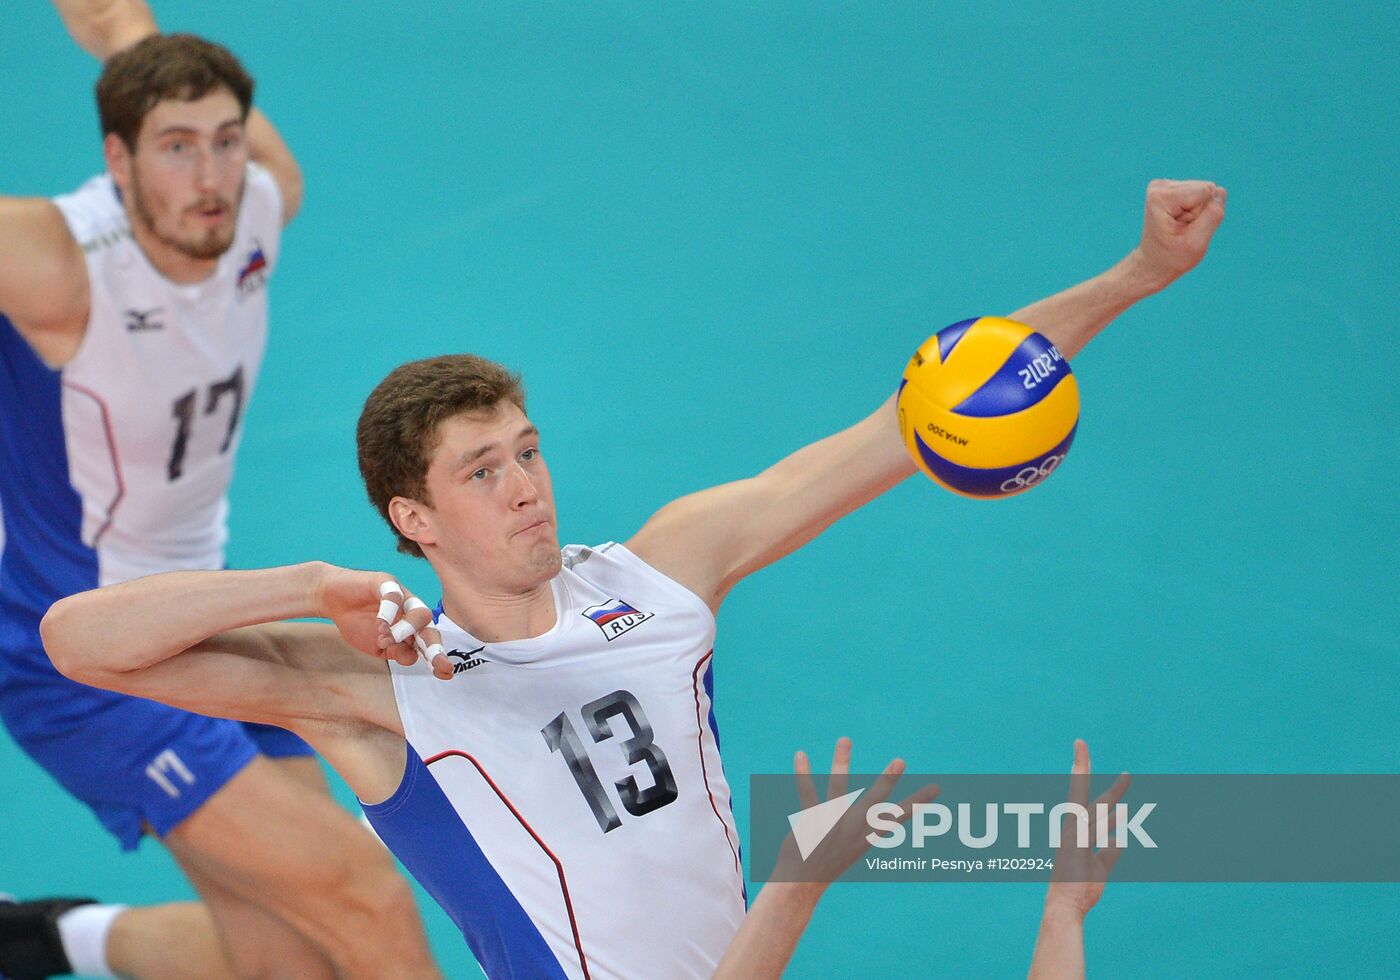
[292, 187]
[56, 630]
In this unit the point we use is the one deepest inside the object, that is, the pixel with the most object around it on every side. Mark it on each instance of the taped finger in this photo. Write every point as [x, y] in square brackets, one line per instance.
[417, 612]
[390, 595]
[430, 652]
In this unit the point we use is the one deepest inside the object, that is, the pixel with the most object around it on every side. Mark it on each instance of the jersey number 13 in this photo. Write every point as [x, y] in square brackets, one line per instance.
[561, 736]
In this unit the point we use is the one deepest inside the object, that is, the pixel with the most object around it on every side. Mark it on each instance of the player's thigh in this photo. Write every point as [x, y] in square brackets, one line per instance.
[269, 837]
[255, 941]
[305, 771]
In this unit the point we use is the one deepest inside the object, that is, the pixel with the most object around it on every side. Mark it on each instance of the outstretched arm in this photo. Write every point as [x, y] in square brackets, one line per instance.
[710, 540]
[1179, 219]
[1077, 883]
[104, 27]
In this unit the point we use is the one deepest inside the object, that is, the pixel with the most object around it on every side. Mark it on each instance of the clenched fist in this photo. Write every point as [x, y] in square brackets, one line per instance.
[1178, 223]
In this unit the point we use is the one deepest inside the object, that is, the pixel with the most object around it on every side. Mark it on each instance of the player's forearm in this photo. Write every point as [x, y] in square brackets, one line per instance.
[851, 467]
[1059, 945]
[104, 27]
[1073, 317]
[136, 624]
[765, 942]
[266, 147]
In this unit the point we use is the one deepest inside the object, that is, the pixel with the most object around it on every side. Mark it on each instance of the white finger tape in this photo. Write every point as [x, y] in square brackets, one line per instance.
[388, 609]
[414, 603]
[402, 630]
[428, 653]
[390, 588]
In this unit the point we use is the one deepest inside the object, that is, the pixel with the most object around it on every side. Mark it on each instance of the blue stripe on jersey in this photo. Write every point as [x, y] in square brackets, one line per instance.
[423, 829]
[44, 557]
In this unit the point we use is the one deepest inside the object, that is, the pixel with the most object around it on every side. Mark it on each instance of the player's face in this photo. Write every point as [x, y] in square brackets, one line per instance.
[185, 178]
[493, 503]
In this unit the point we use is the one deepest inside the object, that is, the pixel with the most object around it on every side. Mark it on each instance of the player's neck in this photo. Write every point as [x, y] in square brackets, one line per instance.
[498, 617]
[170, 262]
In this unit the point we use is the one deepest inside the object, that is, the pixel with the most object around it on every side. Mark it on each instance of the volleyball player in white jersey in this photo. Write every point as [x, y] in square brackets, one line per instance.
[553, 778]
[133, 316]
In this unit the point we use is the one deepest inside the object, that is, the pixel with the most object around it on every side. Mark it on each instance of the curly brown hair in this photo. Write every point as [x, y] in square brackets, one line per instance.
[160, 67]
[398, 429]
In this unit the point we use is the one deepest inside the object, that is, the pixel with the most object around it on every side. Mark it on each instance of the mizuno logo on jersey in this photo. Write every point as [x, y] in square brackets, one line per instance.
[465, 659]
[103, 241]
[616, 617]
[138, 320]
[253, 275]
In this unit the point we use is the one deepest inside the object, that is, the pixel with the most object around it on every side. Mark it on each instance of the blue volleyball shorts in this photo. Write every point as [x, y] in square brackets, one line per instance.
[135, 763]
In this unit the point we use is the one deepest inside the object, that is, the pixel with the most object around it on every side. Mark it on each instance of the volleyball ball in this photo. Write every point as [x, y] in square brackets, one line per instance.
[988, 407]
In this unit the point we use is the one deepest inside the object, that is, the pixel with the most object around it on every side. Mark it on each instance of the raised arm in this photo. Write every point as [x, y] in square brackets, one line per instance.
[1076, 884]
[43, 279]
[710, 540]
[768, 937]
[1179, 219]
[104, 27]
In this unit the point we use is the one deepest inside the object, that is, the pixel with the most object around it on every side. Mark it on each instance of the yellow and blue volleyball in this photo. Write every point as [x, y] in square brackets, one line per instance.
[988, 407]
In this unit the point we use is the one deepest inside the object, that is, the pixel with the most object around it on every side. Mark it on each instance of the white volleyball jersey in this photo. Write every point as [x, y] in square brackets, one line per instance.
[563, 798]
[151, 407]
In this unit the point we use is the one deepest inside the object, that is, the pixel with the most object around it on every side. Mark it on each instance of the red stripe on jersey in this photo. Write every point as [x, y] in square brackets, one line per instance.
[116, 462]
[704, 770]
[558, 866]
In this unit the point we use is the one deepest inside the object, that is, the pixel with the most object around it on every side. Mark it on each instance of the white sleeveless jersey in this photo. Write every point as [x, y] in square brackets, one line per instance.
[152, 404]
[564, 799]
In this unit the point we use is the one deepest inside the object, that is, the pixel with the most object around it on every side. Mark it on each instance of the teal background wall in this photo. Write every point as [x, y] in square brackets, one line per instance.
[711, 233]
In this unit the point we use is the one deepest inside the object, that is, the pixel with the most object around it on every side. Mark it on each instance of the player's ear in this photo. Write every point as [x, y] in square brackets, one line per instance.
[118, 157]
[410, 520]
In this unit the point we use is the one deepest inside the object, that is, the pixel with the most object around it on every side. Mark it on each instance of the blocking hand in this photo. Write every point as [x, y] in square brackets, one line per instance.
[1080, 872]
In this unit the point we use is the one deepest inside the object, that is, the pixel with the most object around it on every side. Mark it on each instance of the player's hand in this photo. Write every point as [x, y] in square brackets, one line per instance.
[1177, 225]
[848, 840]
[378, 616]
[1078, 880]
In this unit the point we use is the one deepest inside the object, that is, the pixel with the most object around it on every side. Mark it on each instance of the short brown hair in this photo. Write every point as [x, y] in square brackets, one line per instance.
[398, 429]
[160, 67]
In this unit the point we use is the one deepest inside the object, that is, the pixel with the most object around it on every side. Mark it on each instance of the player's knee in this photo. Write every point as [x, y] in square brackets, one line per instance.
[250, 961]
[360, 886]
[376, 922]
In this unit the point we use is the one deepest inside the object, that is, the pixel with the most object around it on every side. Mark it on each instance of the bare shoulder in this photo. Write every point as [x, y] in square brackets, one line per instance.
[689, 539]
[43, 278]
